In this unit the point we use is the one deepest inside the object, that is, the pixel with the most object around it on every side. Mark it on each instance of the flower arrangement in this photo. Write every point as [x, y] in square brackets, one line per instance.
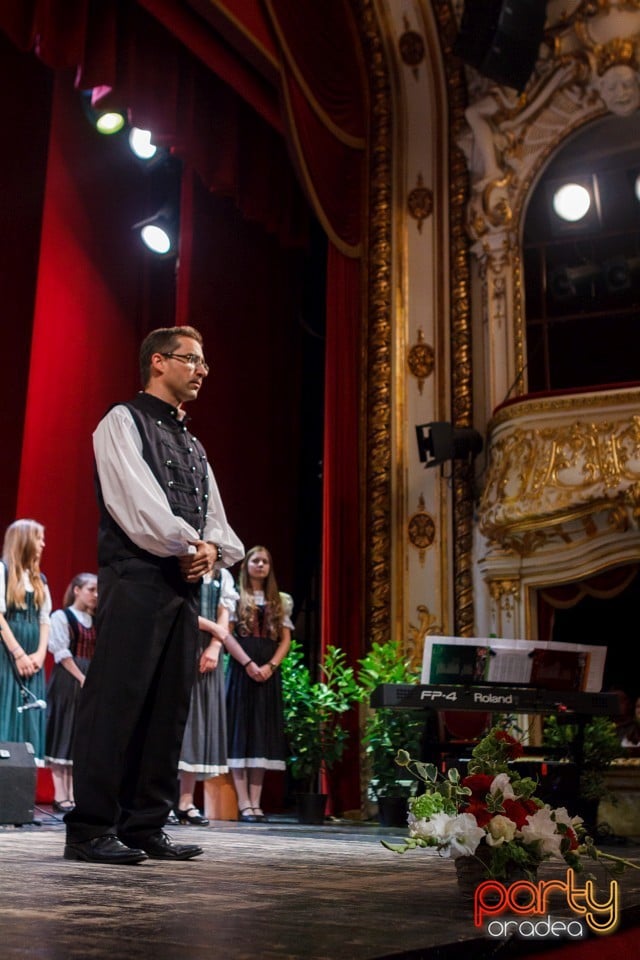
[493, 815]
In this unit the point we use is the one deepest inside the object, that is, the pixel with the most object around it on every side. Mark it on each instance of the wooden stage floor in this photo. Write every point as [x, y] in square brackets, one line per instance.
[278, 891]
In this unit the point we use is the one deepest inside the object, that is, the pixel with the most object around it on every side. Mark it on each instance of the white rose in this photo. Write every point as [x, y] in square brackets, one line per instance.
[500, 830]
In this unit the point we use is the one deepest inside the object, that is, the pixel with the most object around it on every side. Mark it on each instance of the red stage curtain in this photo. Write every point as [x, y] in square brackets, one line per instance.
[139, 66]
[326, 111]
[25, 92]
[88, 291]
[341, 541]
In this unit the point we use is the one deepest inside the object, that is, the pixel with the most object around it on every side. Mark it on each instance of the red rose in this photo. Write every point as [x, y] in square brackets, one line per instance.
[515, 747]
[518, 811]
[479, 811]
[572, 838]
[478, 783]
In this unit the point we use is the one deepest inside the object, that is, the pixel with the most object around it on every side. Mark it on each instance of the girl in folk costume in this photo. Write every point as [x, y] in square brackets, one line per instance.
[262, 637]
[72, 641]
[25, 605]
[204, 745]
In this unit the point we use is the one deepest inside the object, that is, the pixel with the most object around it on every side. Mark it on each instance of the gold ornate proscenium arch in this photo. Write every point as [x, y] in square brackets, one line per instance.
[377, 337]
[378, 332]
[460, 325]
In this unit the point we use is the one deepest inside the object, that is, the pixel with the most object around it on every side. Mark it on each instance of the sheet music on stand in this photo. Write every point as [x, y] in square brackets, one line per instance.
[544, 664]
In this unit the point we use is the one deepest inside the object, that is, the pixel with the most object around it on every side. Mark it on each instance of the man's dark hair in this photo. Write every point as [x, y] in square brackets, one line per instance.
[162, 340]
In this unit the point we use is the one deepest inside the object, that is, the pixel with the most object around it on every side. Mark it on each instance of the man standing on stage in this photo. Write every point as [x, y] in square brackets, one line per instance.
[162, 527]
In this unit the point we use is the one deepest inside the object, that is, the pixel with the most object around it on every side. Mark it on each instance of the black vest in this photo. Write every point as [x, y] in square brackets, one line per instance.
[179, 464]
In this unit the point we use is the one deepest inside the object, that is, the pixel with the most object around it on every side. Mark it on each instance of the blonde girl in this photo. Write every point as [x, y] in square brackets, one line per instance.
[25, 606]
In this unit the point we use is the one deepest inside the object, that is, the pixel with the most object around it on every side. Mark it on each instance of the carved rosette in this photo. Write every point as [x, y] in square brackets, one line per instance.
[421, 529]
[421, 360]
[420, 202]
[411, 47]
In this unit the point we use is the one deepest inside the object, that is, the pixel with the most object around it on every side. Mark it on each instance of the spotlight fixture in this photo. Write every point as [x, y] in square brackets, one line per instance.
[571, 202]
[109, 122]
[105, 121]
[441, 441]
[159, 233]
[617, 275]
[141, 145]
[565, 282]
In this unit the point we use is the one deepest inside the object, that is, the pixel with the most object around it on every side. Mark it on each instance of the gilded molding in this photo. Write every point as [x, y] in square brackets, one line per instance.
[460, 325]
[421, 359]
[377, 336]
[582, 402]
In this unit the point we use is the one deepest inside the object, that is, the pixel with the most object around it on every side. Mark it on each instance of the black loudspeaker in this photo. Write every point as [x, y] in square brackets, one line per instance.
[17, 783]
[501, 38]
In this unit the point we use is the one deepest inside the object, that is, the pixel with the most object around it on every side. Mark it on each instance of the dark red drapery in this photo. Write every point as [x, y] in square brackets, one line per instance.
[117, 45]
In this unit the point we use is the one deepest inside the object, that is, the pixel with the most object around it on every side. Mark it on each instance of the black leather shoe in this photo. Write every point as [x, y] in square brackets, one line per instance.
[247, 816]
[105, 849]
[193, 816]
[159, 846]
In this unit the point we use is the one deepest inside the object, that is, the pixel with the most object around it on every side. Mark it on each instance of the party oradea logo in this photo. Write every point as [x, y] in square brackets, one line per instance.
[523, 909]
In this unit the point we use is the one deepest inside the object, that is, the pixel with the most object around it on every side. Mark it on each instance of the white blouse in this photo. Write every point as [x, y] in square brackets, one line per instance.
[60, 634]
[45, 609]
[137, 502]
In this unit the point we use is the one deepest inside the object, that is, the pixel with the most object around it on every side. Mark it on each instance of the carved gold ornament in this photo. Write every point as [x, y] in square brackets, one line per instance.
[411, 47]
[543, 479]
[504, 594]
[421, 529]
[420, 202]
[421, 360]
[427, 626]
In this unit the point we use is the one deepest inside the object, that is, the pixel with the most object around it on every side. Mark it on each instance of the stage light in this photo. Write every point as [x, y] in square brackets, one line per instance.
[617, 274]
[141, 145]
[156, 238]
[565, 282]
[159, 233]
[441, 441]
[105, 121]
[110, 122]
[637, 188]
[561, 285]
[572, 202]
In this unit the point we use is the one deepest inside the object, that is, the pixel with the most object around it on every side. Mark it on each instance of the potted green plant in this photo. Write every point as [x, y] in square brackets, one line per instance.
[386, 731]
[600, 747]
[313, 715]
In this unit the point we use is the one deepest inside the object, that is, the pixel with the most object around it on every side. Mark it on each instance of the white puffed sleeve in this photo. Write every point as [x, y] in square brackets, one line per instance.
[287, 609]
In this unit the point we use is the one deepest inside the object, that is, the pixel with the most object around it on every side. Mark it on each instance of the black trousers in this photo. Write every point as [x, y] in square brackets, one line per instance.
[133, 706]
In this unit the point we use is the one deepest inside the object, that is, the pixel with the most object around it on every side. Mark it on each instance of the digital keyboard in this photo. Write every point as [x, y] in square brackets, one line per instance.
[494, 698]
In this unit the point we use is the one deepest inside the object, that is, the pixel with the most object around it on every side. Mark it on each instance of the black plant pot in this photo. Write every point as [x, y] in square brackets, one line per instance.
[311, 807]
[392, 811]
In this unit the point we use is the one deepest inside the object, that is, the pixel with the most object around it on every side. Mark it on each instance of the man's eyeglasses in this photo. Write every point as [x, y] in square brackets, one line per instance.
[192, 359]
